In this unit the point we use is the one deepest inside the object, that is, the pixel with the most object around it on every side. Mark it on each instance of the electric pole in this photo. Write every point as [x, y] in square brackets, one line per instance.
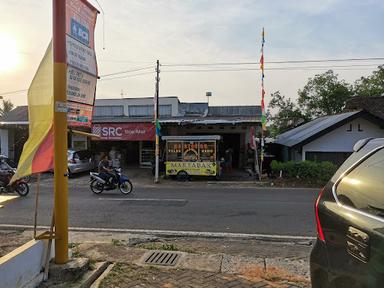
[157, 125]
[60, 132]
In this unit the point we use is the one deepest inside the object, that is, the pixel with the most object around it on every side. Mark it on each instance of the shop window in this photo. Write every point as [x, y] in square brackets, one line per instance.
[174, 151]
[108, 111]
[207, 151]
[147, 110]
[191, 151]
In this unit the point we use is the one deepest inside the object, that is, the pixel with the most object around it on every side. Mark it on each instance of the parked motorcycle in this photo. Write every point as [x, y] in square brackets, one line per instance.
[98, 184]
[19, 186]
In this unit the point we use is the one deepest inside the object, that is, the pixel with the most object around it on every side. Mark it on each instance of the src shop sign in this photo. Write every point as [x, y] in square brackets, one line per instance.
[124, 131]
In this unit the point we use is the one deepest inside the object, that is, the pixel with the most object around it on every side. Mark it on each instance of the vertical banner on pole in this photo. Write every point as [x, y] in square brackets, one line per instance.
[156, 120]
[263, 115]
[81, 60]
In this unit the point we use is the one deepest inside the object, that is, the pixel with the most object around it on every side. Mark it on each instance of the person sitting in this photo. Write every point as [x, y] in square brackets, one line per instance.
[105, 171]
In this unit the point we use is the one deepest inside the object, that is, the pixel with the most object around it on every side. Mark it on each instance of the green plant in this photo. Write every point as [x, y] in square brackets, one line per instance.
[308, 171]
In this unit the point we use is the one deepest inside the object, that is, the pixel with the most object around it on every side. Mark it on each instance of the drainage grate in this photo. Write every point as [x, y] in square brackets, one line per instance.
[162, 258]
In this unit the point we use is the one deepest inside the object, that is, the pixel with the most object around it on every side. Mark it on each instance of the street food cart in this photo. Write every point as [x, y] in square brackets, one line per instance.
[192, 156]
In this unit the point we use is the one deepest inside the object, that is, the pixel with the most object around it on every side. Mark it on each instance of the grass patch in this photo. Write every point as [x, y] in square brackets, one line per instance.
[163, 246]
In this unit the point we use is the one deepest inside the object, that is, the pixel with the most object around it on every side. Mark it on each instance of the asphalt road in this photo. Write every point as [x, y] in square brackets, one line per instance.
[200, 208]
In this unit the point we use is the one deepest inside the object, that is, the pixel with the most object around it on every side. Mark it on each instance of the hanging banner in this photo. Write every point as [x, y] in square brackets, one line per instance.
[80, 86]
[124, 131]
[82, 67]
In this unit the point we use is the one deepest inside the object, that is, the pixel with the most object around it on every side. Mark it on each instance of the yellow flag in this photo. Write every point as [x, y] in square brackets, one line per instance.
[37, 155]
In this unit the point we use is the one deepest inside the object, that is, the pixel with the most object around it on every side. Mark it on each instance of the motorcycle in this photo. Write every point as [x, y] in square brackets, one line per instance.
[98, 184]
[19, 186]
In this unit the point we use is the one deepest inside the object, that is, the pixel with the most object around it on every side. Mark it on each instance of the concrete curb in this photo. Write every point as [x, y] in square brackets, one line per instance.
[88, 282]
[170, 233]
[105, 273]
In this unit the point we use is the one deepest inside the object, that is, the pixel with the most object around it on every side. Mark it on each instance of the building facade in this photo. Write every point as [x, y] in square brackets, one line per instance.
[125, 127]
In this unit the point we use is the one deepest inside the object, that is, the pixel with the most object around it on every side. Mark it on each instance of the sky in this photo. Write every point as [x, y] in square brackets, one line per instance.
[134, 34]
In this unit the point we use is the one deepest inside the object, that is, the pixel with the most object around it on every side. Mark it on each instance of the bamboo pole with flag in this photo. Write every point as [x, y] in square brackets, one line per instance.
[263, 115]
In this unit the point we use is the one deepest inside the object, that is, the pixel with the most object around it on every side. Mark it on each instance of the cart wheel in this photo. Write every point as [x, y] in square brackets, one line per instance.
[182, 176]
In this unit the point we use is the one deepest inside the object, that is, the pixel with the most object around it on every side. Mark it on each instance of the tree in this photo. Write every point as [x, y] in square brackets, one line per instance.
[7, 107]
[288, 115]
[323, 95]
[372, 85]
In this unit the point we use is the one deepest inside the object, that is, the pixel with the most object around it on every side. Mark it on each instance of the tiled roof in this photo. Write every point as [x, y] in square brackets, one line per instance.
[373, 105]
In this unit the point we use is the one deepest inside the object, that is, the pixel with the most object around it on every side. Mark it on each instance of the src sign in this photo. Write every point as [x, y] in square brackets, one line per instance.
[124, 131]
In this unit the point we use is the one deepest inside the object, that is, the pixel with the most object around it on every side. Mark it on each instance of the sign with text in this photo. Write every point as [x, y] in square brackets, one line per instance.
[79, 114]
[124, 131]
[192, 168]
[81, 21]
[81, 56]
[82, 67]
[80, 86]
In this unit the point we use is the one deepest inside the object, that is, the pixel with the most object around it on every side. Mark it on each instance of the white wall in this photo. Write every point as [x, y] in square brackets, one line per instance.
[22, 267]
[340, 140]
[4, 142]
[126, 102]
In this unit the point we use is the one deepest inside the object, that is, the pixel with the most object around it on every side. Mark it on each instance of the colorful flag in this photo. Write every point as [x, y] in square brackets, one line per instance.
[37, 154]
[158, 128]
[263, 116]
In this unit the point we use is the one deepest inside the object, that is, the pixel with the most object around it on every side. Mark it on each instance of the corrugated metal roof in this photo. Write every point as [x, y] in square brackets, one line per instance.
[122, 119]
[310, 129]
[192, 138]
[209, 120]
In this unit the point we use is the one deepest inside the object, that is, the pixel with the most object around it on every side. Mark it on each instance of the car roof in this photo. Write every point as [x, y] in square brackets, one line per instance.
[370, 145]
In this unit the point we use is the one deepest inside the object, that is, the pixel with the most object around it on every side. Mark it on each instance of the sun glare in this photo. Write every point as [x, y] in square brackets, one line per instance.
[9, 57]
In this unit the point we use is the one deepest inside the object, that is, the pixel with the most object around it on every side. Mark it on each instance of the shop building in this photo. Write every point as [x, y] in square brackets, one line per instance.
[126, 127]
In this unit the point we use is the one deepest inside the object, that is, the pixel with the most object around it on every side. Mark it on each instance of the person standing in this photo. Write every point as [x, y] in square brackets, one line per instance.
[228, 157]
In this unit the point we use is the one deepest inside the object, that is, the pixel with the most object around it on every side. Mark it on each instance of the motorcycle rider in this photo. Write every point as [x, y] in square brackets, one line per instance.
[105, 171]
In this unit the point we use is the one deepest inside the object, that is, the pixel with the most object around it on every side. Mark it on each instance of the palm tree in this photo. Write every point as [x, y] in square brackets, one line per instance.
[7, 107]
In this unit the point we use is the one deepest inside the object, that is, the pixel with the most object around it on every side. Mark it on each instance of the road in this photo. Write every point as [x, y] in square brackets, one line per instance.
[190, 207]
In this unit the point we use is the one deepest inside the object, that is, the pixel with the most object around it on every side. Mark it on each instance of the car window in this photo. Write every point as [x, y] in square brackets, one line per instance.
[84, 155]
[363, 187]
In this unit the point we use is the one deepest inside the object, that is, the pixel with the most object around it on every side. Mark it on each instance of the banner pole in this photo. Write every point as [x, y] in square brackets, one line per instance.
[60, 131]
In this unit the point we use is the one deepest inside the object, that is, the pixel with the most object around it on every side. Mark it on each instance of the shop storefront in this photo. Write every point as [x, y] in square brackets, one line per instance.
[130, 144]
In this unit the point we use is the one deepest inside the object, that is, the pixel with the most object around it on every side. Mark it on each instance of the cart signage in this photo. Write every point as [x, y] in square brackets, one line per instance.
[192, 168]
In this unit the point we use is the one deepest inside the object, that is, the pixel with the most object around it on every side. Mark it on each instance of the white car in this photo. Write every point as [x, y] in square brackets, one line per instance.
[80, 161]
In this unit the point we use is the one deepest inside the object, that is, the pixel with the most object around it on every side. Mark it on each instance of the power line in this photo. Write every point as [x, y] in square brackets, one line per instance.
[127, 71]
[13, 92]
[275, 62]
[272, 68]
[126, 76]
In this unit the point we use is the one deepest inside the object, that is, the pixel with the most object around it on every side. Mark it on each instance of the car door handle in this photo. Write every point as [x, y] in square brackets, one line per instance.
[358, 244]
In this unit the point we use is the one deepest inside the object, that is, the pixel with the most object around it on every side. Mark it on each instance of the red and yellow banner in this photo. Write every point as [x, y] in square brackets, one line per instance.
[37, 155]
[78, 63]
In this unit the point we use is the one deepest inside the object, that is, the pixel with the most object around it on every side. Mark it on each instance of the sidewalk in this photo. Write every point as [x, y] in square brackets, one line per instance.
[191, 270]
[200, 262]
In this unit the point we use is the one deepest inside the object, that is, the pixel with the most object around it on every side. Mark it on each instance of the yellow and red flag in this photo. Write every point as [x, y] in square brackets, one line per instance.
[37, 155]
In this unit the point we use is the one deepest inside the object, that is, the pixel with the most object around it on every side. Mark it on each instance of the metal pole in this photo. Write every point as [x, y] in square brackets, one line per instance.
[157, 151]
[60, 132]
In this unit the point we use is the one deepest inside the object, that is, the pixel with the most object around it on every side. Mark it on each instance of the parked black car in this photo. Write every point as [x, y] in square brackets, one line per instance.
[349, 251]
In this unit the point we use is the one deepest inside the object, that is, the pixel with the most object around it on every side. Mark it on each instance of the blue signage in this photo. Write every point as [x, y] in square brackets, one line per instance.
[79, 32]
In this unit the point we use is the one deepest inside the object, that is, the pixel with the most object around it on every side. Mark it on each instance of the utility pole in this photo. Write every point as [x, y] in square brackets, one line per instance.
[156, 112]
[60, 131]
